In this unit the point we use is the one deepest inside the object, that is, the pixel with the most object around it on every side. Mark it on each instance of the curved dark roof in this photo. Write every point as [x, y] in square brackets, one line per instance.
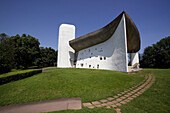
[103, 34]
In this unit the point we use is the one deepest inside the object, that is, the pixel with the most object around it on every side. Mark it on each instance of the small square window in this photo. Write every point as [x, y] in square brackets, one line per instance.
[91, 53]
[100, 58]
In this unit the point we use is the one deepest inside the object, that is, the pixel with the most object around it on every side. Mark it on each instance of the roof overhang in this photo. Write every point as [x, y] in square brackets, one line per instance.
[103, 34]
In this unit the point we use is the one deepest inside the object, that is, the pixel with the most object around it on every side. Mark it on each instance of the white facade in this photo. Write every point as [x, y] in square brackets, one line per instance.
[134, 58]
[109, 55]
[65, 52]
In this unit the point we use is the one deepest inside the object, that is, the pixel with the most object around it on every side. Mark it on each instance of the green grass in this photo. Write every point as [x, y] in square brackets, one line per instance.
[14, 72]
[52, 68]
[88, 84]
[88, 110]
[156, 99]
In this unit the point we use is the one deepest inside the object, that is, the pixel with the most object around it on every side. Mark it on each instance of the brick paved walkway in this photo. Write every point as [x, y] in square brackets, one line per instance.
[123, 97]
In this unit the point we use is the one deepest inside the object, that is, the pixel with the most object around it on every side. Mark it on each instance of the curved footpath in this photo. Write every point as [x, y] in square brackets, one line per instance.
[75, 103]
[123, 97]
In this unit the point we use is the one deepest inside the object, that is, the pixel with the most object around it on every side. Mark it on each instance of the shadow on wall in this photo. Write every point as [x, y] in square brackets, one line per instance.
[71, 54]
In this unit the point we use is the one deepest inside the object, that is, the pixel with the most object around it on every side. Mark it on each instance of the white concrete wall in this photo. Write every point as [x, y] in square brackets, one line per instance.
[134, 58]
[114, 50]
[65, 52]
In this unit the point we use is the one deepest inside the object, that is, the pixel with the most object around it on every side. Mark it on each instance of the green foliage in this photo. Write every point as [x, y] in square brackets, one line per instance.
[15, 72]
[22, 52]
[19, 76]
[157, 55]
[48, 57]
[6, 53]
[26, 50]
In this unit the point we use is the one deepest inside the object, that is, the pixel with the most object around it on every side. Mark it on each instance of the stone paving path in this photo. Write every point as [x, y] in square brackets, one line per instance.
[123, 97]
[43, 106]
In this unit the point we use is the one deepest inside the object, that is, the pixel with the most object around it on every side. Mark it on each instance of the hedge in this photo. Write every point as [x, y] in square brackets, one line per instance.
[20, 76]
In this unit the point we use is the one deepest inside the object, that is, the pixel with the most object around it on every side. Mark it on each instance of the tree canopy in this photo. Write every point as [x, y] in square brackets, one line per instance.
[23, 51]
[6, 53]
[157, 55]
[26, 50]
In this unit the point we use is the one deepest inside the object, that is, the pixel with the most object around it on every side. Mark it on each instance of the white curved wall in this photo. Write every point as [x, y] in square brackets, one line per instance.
[114, 50]
[134, 58]
[65, 52]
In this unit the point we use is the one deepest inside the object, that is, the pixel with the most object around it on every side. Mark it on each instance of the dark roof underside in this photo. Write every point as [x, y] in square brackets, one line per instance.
[103, 34]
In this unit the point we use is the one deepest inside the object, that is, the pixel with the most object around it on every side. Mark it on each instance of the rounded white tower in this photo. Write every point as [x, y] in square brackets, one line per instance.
[65, 52]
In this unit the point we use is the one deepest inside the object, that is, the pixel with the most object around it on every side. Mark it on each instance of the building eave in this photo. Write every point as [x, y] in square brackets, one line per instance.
[103, 34]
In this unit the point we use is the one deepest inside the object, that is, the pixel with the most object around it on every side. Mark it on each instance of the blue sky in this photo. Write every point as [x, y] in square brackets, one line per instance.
[42, 18]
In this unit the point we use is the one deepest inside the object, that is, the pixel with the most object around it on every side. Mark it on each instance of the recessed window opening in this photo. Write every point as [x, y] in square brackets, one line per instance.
[91, 53]
[101, 51]
[89, 50]
[97, 66]
[90, 56]
[89, 66]
[81, 65]
[100, 58]
[104, 58]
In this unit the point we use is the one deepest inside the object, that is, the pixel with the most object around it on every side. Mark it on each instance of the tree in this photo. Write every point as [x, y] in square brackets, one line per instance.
[26, 50]
[157, 55]
[48, 57]
[6, 53]
[23, 51]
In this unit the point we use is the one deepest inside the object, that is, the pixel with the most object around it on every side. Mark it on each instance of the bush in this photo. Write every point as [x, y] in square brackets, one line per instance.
[20, 76]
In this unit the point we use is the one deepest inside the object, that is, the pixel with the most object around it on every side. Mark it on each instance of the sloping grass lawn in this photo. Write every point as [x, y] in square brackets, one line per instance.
[14, 72]
[88, 84]
[155, 100]
[88, 110]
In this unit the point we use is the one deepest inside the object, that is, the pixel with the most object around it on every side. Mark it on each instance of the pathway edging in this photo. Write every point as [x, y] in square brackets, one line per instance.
[123, 97]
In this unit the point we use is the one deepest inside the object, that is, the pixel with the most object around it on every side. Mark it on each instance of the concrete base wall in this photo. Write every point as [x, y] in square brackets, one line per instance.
[109, 55]
[134, 58]
[65, 52]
